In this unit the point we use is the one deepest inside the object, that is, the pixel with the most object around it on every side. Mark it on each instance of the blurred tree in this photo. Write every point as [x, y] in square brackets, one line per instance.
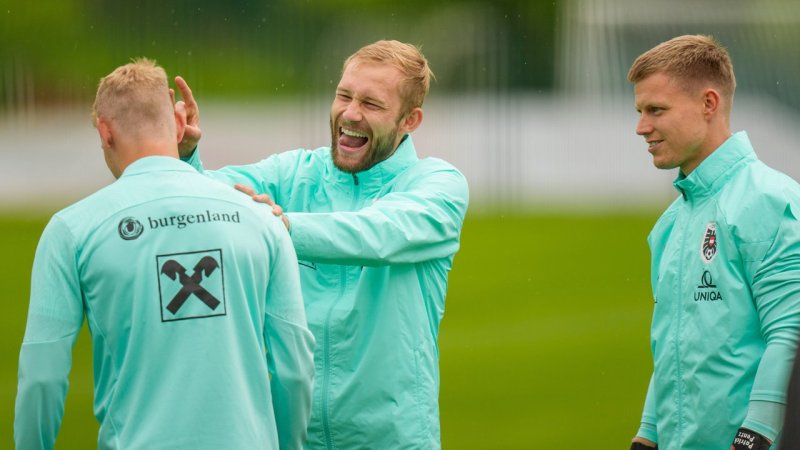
[55, 50]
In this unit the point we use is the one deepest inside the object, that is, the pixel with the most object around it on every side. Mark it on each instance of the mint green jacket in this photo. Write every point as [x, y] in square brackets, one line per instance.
[375, 249]
[726, 282]
[193, 300]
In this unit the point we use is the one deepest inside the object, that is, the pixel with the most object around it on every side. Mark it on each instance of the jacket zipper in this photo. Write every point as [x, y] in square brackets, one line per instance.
[326, 427]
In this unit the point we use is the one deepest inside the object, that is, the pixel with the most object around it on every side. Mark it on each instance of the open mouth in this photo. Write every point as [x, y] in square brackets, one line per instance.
[350, 139]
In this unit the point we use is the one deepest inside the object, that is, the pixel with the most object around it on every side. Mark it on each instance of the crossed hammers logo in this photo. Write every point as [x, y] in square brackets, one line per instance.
[191, 284]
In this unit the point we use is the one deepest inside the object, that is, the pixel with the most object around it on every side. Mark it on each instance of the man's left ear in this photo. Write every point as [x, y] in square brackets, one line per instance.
[412, 120]
[711, 101]
[180, 124]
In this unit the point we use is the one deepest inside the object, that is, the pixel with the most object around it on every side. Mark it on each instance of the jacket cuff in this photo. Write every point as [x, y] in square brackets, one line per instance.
[648, 431]
[765, 418]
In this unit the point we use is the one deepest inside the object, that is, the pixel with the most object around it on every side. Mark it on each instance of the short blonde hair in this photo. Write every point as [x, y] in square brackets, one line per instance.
[692, 59]
[408, 59]
[135, 95]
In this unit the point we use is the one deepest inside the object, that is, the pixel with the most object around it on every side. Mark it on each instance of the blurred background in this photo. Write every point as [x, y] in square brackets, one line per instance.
[545, 336]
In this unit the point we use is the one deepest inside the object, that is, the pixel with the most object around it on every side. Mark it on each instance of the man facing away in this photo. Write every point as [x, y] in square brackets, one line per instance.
[376, 230]
[190, 291]
[725, 261]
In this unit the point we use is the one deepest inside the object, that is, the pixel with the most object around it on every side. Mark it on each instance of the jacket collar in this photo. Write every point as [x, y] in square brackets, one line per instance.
[384, 171]
[717, 168]
[156, 164]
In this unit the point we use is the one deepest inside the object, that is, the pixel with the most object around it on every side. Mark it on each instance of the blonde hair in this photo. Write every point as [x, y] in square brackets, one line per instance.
[692, 59]
[408, 59]
[135, 96]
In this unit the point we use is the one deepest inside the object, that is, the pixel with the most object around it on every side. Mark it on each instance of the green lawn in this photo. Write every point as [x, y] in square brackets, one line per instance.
[544, 342]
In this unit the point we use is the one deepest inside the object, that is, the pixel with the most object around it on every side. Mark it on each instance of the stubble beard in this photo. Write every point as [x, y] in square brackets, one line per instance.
[380, 149]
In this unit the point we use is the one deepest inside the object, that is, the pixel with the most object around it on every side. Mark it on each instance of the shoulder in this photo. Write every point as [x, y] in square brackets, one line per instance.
[84, 215]
[303, 156]
[434, 168]
[666, 221]
[434, 175]
[204, 190]
[301, 162]
[434, 164]
[758, 200]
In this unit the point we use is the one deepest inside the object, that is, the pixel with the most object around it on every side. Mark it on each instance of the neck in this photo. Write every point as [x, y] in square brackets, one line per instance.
[718, 135]
[714, 140]
[128, 152]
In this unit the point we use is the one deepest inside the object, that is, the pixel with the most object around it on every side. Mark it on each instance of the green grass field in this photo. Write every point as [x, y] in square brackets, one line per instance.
[544, 342]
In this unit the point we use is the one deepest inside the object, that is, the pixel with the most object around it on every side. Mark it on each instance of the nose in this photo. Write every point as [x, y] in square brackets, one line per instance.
[351, 112]
[644, 127]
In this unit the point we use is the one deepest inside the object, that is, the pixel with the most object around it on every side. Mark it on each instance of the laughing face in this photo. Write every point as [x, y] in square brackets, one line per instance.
[368, 116]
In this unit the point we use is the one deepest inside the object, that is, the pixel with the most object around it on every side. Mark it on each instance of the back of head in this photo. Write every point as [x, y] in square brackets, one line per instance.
[692, 60]
[135, 98]
[408, 59]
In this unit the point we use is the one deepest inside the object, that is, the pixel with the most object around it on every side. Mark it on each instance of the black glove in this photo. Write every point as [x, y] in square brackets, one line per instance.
[749, 440]
[640, 446]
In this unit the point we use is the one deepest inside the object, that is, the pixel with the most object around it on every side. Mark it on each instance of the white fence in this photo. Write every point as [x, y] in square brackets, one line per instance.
[516, 151]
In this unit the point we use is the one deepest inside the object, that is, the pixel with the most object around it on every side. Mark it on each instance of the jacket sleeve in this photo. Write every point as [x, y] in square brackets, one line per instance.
[420, 223]
[55, 316]
[262, 176]
[290, 345]
[776, 293]
[647, 428]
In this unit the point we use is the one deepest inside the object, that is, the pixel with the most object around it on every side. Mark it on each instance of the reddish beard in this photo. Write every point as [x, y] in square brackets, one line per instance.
[379, 149]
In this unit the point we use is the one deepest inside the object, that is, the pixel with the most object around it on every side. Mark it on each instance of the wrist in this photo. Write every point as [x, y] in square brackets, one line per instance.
[641, 446]
[749, 440]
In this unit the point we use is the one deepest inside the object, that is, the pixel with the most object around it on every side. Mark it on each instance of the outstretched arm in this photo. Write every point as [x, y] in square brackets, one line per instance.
[418, 223]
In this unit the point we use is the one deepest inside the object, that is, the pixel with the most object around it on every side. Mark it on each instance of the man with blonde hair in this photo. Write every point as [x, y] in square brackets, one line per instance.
[190, 291]
[725, 261]
[376, 230]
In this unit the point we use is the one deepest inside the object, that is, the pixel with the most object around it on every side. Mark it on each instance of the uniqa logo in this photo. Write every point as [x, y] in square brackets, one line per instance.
[129, 228]
[708, 292]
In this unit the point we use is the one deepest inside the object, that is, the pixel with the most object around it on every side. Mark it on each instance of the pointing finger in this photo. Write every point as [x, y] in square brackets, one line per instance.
[186, 91]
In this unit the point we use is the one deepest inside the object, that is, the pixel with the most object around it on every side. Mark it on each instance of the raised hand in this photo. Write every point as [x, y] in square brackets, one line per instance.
[187, 106]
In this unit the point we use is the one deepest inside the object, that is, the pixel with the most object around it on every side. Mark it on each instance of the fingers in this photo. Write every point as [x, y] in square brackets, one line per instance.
[260, 198]
[277, 210]
[267, 200]
[172, 95]
[245, 189]
[186, 92]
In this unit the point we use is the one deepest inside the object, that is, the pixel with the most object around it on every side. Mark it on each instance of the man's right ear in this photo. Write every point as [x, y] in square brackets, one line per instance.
[106, 137]
[180, 124]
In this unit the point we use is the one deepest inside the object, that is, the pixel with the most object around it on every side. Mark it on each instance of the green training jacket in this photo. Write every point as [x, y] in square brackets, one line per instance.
[726, 284]
[194, 304]
[375, 249]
